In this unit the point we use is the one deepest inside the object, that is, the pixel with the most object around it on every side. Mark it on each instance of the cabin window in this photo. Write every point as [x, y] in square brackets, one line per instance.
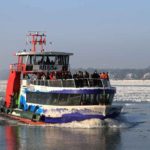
[45, 60]
[39, 60]
[60, 60]
[24, 59]
[31, 60]
[52, 60]
[66, 60]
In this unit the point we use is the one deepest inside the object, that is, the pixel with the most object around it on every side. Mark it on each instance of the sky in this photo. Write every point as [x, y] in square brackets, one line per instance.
[100, 33]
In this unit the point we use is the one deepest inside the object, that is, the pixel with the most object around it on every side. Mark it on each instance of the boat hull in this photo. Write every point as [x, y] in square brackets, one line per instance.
[64, 105]
[55, 115]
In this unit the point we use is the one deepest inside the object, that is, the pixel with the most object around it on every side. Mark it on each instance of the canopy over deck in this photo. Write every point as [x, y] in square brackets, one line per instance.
[48, 53]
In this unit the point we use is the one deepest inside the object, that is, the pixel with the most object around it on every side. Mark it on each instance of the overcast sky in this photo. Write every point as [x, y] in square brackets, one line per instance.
[100, 33]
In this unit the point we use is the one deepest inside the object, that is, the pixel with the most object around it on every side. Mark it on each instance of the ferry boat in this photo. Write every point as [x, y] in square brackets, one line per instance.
[41, 88]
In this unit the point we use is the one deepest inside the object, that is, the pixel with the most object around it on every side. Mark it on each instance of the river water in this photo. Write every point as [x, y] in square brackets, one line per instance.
[131, 130]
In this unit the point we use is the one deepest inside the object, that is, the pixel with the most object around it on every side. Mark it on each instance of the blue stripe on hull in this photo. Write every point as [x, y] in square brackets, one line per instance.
[66, 118]
[81, 91]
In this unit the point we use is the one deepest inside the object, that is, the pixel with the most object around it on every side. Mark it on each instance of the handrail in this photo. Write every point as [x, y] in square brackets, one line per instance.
[85, 82]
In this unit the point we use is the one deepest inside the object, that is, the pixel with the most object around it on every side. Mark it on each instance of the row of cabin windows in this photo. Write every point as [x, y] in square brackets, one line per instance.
[47, 60]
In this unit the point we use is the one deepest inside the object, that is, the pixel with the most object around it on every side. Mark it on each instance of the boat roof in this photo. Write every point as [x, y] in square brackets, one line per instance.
[48, 53]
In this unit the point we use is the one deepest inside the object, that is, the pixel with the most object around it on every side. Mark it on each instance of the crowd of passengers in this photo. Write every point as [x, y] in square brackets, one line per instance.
[67, 75]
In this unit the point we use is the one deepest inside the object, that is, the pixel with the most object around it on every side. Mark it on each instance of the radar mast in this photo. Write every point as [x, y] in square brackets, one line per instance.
[36, 38]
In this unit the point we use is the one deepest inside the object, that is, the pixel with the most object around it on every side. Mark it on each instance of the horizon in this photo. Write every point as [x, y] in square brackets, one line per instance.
[86, 68]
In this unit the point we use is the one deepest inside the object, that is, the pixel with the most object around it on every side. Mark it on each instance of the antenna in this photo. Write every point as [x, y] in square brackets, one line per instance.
[36, 38]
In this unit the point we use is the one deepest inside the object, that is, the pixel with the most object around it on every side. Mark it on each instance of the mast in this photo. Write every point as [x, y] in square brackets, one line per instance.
[37, 38]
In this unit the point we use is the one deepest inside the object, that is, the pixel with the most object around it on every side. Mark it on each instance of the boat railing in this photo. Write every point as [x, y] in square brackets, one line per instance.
[87, 82]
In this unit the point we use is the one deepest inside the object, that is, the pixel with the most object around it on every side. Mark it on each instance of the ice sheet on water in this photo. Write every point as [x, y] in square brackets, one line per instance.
[3, 85]
[131, 82]
[132, 90]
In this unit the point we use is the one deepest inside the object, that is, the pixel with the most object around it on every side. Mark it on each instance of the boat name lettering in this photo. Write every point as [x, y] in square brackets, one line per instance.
[47, 67]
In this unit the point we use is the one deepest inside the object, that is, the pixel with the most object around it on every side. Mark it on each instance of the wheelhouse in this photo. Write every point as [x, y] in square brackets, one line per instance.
[31, 62]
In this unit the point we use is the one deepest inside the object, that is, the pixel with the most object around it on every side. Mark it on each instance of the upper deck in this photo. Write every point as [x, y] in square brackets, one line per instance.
[31, 62]
[42, 61]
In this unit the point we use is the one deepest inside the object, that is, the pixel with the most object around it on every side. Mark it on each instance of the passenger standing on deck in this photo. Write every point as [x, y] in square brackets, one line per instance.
[86, 74]
[107, 75]
[95, 75]
[75, 75]
[69, 75]
[80, 73]
[102, 75]
[51, 76]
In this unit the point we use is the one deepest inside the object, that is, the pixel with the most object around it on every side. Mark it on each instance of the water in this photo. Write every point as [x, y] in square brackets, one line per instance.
[131, 130]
